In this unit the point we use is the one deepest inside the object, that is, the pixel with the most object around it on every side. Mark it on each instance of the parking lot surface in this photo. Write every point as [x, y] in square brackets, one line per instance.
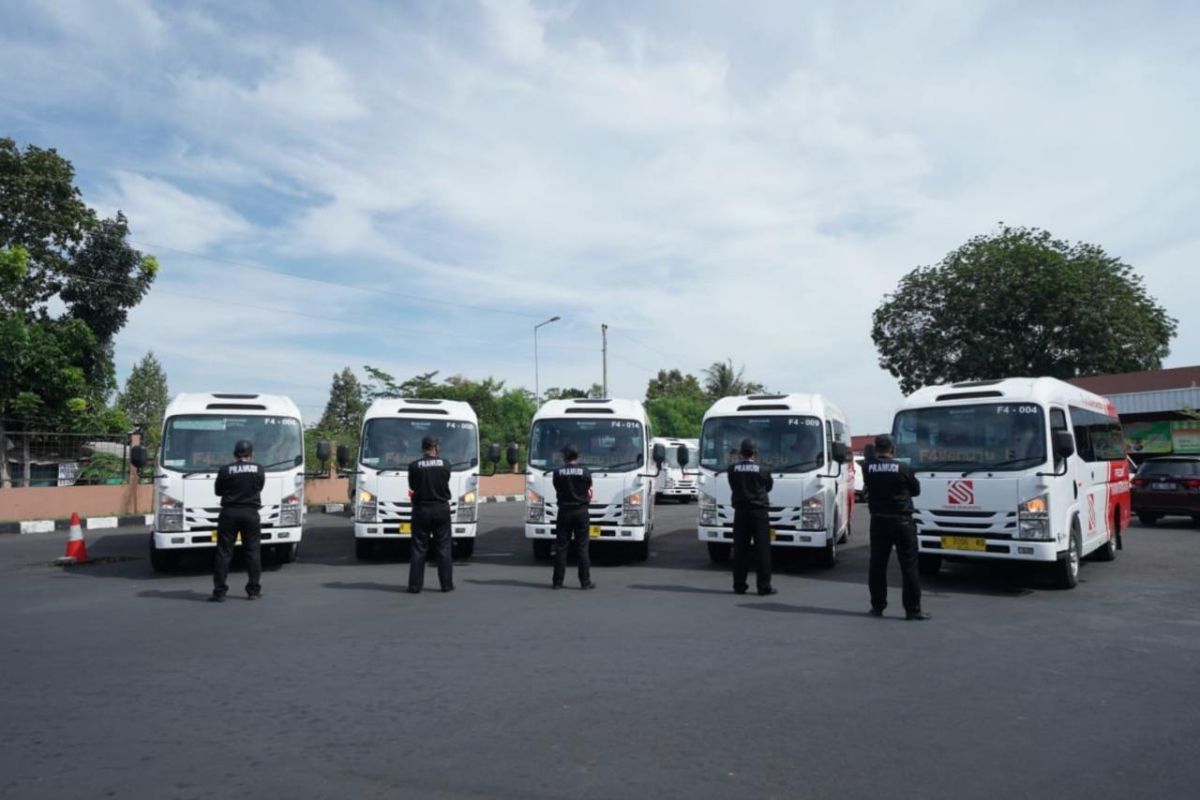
[118, 682]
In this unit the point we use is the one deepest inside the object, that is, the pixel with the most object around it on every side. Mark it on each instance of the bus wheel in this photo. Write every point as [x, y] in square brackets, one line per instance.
[286, 553]
[641, 550]
[1108, 550]
[1147, 517]
[1066, 571]
[162, 560]
[718, 552]
[363, 549]
[464, 548]
[928, 566]
[541, 549]
[829, 554]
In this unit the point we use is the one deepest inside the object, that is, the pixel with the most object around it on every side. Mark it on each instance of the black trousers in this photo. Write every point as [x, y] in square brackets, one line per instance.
[431, 527]
[751, 526]
[571, 528]
[230, 523]
[900, 533]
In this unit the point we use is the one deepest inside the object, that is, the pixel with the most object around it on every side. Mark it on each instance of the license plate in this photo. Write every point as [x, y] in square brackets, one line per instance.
[594, 532]
[214, 538]
[964, 543]
[1163, 487]
[406, 527]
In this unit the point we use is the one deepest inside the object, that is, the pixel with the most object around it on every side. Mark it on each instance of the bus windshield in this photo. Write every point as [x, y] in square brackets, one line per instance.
[992, 436]
[394, 443]
[203, 442]
[605, 445]
[785, 443]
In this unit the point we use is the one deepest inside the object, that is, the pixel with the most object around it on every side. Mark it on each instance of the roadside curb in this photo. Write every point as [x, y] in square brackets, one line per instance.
[64, 524]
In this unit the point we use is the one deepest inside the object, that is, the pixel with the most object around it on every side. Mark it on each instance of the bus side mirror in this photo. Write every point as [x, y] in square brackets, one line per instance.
[659, 454]
[683, 455]
[138, 457]
[493, 454]
[1064, 445]
[323, 451]
[343, 456]
[514, 455]
[840, 452]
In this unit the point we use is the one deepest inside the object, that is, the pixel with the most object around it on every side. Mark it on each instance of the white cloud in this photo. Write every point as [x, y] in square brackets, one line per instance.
[165, 215]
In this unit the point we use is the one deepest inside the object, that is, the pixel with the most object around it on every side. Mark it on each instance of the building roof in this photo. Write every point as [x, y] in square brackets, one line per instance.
[1156, 380]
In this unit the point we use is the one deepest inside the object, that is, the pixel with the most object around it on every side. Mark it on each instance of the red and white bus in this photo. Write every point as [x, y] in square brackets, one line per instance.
[1031, 469]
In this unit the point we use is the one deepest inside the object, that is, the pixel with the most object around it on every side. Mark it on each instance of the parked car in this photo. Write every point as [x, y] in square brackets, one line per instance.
[1167, 486]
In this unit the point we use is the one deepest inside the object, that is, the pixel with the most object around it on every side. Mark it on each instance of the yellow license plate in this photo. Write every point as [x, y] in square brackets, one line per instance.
[214, 538]
[773, 534]
[594, 532]
[964, 543]
[406, 527]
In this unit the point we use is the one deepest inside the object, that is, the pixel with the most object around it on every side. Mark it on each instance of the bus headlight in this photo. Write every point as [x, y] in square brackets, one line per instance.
[170, 513]
[467, 510]
[631, 508]
[812, 514]
[367, 508]
[289, 512]
[1033, 518]
[708, 509]
[535, 506]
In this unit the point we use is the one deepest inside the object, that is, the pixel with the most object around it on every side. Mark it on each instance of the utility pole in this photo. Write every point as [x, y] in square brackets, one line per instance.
[604, 352]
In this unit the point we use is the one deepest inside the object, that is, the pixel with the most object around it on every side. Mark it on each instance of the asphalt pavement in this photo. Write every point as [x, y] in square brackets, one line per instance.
[117, 682]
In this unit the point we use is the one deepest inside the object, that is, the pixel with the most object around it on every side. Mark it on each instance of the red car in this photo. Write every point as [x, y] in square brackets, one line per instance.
[1166, 486]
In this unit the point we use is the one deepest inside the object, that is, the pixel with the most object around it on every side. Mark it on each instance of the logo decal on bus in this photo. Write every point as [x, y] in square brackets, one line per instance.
[961, 493]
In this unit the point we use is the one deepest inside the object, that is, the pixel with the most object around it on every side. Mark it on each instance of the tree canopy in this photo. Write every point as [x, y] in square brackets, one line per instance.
[144, 398]
[675, 403]
[723, 379]
[1019, 303]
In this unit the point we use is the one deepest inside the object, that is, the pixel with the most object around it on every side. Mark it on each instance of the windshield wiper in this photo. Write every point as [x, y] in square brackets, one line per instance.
[291, 461]
[816, 462]
[999, 464]
[636, 462]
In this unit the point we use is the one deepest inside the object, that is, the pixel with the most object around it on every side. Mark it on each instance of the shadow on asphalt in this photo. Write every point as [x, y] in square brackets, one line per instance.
[369, 586]
[180, 594]
[511, 582]
[680, 589]
[785, 608]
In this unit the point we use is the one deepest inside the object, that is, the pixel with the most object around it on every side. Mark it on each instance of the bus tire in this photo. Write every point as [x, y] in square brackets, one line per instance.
[363, 549]
[641, 550]
[1148, 517]
[464, 548]
[1066, 570]
[541, 549]
[719, 552]
[928, 566]
[829, 554]
[286, 553]
[162, 560]
[1108, 550]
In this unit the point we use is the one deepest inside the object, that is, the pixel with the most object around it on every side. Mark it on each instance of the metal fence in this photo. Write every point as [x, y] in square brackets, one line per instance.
[38, 458]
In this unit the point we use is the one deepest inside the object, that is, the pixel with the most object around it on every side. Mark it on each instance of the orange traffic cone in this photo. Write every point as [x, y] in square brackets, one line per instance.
[76, 546]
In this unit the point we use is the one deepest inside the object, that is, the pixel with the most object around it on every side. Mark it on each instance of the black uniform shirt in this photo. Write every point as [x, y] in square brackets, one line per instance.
[891, 485]
[239, 485]
[429, 479]
[749, 483]
[572, 482]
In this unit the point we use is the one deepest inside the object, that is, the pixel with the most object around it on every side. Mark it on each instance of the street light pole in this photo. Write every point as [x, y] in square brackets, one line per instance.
[604, 356]
[537, 387]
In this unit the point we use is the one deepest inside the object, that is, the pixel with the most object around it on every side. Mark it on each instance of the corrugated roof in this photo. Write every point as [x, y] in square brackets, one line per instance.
[1154, 402]
[1150, 381]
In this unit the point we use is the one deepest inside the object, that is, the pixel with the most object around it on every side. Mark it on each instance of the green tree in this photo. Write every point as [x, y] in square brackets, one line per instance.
[1019, 302]
[144, 399]
[346, 405]
[677, 415]
[571, 392]
[673, 383]
[722, 379]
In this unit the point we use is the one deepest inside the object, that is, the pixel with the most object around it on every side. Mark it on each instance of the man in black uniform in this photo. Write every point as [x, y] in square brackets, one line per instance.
[239, 485]
[573, 486]
[429, 487]
[749, 483]
[891, 486]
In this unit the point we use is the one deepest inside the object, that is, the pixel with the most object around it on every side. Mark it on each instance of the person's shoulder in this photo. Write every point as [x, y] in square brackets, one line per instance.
[415, 464]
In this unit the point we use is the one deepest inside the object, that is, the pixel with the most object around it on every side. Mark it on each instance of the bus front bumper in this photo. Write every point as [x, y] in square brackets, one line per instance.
[403, 530]
[598, 533]
[181, 540]
[996, 549]
[779, 538]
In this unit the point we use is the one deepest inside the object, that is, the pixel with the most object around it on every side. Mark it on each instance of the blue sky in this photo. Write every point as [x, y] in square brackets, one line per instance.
[712, 180]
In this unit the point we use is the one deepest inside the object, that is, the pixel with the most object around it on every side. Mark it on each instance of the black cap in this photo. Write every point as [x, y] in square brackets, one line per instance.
[243, 448]
[570, 452]
[429, 442]
[885, 442]
[749, 447]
